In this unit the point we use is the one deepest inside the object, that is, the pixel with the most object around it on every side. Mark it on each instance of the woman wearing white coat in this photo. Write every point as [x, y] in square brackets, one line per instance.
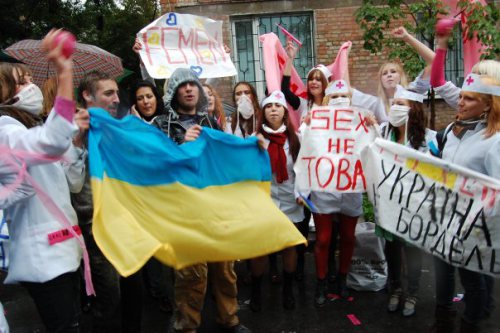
[283, 147]
[43, 258]
[472, 141]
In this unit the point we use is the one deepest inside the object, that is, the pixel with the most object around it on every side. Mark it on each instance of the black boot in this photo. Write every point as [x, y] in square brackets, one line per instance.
[288, 299]
[445, 321]
[299, 273]
[320, 294]
[342, 286]
[255, 297]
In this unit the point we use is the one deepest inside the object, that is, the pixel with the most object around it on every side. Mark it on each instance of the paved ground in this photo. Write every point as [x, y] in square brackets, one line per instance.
[368, 307]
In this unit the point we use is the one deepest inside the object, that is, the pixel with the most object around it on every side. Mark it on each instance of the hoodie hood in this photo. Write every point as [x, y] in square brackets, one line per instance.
[179, 77]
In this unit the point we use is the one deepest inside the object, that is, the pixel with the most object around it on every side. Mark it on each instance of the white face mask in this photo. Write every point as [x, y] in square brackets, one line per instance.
[245, 107]
[339, 101]
[398, 115]
[30, 99]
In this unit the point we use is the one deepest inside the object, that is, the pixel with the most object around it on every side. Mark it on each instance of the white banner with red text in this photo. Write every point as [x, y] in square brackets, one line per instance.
[182, 40]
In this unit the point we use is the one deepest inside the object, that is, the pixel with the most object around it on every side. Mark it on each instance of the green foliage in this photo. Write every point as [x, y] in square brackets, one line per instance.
[482, 24]
[111, 25]
[368, 209]
[418, 18]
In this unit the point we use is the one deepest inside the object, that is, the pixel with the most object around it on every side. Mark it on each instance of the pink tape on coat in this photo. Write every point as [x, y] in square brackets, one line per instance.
[47, 201]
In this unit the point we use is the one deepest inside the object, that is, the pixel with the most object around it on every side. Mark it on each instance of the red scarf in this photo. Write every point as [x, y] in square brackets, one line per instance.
[277, 155]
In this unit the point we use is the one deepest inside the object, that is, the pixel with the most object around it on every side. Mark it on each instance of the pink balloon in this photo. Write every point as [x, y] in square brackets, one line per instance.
[444, 26]
[69, 41]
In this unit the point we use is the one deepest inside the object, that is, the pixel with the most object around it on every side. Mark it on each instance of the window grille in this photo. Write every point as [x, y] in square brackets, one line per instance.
[248, 50]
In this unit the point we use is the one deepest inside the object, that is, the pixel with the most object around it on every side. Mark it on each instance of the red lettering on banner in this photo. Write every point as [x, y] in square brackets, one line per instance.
[215, 45]
[348, 148]
[343, 171]
[146, 44]
[463, 188]
[362, 122]
[415, 164]
[188, 42]
[200, 42]
[337, 146]
[396, 159]
[310, 158]
[332, 171]
[337, 120]
[484, 197]
[326, 119]
[167, 51]
[358, 172]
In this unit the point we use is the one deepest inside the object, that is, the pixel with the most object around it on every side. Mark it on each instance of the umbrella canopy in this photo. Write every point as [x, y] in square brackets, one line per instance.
[6, 58]
[86, 58]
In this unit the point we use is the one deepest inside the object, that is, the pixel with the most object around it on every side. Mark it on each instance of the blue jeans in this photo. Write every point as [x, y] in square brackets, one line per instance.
[478, 290]
[58, 302]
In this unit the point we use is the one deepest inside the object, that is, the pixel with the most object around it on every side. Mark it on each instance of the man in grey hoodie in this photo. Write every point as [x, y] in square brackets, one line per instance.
[186, 106]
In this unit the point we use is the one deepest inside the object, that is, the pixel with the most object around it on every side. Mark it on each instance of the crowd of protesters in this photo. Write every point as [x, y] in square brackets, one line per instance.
[53, 124]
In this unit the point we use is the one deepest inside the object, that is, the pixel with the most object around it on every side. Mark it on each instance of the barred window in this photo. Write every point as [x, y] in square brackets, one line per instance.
[248, 50]
[454, 67]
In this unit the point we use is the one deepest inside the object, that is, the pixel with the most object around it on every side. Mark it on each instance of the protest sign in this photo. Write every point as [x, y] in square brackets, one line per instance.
[447, 210]
[183, 40]
[329, 158]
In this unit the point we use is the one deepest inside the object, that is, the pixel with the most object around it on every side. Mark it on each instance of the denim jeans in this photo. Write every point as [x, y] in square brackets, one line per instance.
[58, 302]
[478, 290]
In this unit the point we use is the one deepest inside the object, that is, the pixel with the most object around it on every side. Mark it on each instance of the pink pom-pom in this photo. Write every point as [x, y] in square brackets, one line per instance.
[69, 42]
[444, 26]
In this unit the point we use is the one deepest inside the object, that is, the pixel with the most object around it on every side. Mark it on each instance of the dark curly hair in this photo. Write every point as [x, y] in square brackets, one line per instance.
[160, 109]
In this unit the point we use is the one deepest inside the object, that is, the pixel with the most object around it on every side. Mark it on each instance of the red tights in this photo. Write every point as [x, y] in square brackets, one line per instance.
[324, 224]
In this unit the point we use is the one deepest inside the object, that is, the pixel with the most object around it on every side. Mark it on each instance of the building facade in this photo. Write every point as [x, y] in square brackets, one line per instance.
[322, 26]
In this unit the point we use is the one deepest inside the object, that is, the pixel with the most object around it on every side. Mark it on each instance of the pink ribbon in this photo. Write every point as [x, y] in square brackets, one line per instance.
[9, 156]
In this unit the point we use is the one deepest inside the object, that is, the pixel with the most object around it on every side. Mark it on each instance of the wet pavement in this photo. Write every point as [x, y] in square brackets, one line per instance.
[369, 308]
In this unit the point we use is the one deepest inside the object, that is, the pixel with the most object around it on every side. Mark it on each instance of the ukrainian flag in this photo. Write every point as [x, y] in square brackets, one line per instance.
[202, 201]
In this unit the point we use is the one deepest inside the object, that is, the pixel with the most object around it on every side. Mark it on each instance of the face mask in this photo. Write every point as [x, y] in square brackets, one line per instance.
[245, 107]
[30, 99]
[339, 101]
[398, 115]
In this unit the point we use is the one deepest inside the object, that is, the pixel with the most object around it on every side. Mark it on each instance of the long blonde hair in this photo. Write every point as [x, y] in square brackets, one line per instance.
[490, 71]
[381, 91]
[49, 91]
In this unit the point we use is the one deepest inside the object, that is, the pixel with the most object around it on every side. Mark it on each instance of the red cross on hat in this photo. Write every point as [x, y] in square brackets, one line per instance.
[469, 80]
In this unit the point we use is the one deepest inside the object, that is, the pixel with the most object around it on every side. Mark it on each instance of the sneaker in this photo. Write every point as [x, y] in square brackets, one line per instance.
[394, 300]
[409, 306]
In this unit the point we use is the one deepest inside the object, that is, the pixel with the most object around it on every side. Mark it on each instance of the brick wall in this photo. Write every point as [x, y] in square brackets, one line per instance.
[332, 26]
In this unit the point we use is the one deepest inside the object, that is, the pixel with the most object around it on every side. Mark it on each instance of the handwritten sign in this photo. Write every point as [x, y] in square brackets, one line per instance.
[329, 159]
[183, 40]
[448, 211]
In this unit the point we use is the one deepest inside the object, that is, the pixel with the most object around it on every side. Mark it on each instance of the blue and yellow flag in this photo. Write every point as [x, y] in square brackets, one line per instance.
[206, 200]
